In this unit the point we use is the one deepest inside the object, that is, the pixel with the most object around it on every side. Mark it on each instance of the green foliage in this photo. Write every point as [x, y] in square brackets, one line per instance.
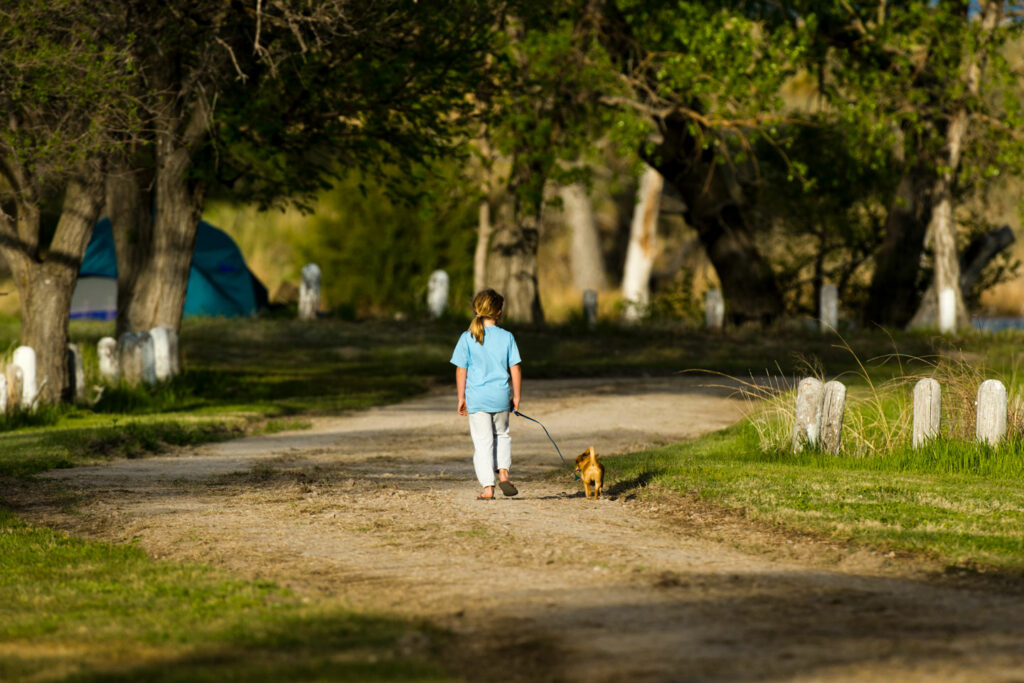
[377, 251]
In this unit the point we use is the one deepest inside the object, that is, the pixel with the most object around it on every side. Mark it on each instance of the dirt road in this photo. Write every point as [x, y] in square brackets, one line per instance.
[378, 508]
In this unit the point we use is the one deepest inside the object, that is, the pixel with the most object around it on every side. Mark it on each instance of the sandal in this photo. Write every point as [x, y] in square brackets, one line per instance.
[507, 488]
[483, 497]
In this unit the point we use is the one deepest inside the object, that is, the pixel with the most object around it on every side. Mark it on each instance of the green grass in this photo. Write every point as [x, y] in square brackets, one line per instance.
[94, 611]
[959, 504]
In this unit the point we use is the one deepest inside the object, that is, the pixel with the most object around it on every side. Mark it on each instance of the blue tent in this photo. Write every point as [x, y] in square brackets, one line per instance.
[219, 282]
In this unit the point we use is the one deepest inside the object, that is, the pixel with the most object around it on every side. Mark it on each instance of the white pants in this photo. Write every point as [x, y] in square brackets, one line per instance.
[492, 446]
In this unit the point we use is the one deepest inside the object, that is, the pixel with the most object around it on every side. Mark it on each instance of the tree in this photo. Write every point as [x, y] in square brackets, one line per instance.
[64, 96]
[271, 103]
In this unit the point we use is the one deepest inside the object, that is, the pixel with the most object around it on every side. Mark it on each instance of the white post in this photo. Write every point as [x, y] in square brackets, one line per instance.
[129, 353]
[76, 373]
[25, 358]
[161, 353]
[714, 310]
[927, 410]
[833, 406]
[991, 420]
[947, 310]
[148, 358]
[3, 394]
[106, 351]
[590, 307]
[173, 351]
[437, 293]
[806, 428]
[309, 292]
[828, 308]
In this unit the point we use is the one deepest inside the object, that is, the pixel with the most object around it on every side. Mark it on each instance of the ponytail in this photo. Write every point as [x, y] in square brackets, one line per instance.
[486, 304]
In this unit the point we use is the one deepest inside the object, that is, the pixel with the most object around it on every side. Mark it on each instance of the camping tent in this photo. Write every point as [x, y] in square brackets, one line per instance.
[219, 282]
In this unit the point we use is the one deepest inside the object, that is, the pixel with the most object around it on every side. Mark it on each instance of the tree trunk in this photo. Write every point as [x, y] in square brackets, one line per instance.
[483, 244]
[513, 264]
[585, 251]
[45, 284]
[942, 229]
[130, 210]
[642, 249]
[714, 208]
[894, 293]
[160, 275]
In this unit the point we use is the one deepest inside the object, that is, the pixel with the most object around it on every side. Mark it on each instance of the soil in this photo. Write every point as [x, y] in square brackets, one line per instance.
[377, 510]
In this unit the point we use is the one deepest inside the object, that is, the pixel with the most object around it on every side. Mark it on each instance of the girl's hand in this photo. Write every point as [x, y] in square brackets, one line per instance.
[461, 410]
[515, 404]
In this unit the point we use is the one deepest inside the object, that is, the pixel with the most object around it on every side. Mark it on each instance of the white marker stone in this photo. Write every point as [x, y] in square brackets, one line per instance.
[991, 421]
[25, 358]
[76, 373]
[927, 410]
[129, 353]
[437, 293]
[833, 407]
[106, 351]
[3, 394]
[161, 353]
[309, 292]
[148, 358]
[828, 306]
[807, 426]
[590, 307]
[947, 310]
[714, 310]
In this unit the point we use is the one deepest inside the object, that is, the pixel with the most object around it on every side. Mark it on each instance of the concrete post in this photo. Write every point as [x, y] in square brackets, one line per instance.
[828, 308]
[714, 310]
[25, 358]
[106, 351]
[927, 411]
[947, 310]
[76, 373]
[991, 420]
[807, 426]
[833, 407]
[437, 293]
[309, 292]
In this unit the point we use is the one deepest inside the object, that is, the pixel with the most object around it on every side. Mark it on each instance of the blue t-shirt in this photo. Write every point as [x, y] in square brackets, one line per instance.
[488, 385]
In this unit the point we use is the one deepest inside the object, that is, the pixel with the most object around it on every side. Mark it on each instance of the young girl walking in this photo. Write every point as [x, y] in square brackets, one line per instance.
[489, 383]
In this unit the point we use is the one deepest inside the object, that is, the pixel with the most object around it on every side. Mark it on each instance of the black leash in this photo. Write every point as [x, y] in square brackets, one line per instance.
[549, 438]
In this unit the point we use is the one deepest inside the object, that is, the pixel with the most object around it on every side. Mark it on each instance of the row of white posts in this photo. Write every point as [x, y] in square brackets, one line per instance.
[309, 292]
[820, 408]
[714, 308]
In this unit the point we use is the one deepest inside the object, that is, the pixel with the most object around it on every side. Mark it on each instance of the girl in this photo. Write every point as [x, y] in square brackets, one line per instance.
[488, 381]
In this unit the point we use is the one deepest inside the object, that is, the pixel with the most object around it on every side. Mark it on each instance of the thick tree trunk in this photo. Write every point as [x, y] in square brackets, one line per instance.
[942, 229]
[130, 210]
[512, 270]
[714, 208]
[895, 291]
[643, 242]
[159, 275]
[45, 284]
[585, 250]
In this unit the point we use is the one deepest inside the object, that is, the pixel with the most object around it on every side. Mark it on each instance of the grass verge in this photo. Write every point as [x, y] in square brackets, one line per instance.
[960, 506]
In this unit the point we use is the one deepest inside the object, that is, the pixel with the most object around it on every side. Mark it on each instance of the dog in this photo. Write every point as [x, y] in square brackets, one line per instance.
[591, 472]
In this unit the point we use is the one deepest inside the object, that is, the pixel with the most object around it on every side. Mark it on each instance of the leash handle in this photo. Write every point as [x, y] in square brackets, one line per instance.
[545, 432]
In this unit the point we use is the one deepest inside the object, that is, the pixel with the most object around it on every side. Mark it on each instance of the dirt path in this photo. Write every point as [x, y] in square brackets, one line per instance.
[378, 509]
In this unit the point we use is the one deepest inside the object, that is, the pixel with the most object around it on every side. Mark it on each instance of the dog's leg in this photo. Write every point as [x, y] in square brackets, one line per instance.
[586, 489]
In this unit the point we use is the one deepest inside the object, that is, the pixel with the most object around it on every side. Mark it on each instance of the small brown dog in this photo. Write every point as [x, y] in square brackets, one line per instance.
[591, 472]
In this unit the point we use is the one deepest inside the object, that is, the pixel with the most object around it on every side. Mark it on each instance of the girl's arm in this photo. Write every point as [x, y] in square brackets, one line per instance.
[460, 389]
[516, 373]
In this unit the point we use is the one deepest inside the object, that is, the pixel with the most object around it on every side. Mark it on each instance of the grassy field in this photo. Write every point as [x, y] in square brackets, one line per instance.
[91, 611]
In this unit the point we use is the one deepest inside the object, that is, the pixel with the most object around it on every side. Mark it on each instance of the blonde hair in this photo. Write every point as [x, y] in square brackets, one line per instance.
[486, 304]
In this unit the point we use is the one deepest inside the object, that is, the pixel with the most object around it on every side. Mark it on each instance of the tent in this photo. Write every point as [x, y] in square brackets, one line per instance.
[219, 282]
